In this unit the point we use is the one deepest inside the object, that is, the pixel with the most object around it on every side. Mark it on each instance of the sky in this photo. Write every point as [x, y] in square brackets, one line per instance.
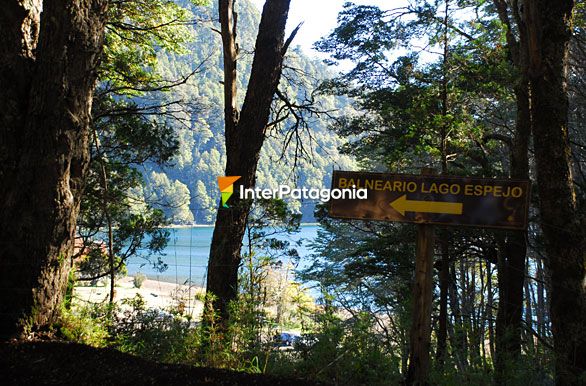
[319, 17]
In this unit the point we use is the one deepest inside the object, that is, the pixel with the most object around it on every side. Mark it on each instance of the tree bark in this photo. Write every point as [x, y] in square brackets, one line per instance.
[541, 313]
[511, 275]
[458, 338]
[549, 27]
[510, 309]
[49, 65]
[489, 309]
[511, 265]
[444, 278]
[419, 340]
[245, 134]
[530, 348]
[444, 275]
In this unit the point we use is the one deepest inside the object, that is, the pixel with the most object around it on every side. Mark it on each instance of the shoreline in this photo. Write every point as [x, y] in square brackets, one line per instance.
[156, 294]
[181, 226]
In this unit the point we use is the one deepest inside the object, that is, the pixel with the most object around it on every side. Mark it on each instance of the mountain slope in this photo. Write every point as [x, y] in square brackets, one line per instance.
[187, 191]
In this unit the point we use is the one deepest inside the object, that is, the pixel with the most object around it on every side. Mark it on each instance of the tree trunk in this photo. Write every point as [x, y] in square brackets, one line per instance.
[466, 309]
[489, 309]
[46, 101]
[481, 317]
[419, 339]
[511, 265]
[458, 338]
[244, 138]
[444, 275]
[511, 275]
[541, 324]
[444, 278]
[529, 315]
[549, 26]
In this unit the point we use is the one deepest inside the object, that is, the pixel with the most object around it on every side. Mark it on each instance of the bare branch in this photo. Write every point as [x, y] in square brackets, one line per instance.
[290, 38]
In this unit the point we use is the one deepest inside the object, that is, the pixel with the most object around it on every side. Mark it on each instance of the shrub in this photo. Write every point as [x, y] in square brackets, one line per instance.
[87, 324]
[343, 352]
[138, 279]
[153, 334]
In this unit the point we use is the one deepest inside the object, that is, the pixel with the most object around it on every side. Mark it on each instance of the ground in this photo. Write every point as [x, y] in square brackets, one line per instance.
[52, 363]
[156, 294]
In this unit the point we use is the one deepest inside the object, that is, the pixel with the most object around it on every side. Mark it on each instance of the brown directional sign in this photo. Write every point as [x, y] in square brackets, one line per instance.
[432, 199]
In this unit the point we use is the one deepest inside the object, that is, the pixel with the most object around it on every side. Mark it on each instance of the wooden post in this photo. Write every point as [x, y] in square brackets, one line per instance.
[420, 336]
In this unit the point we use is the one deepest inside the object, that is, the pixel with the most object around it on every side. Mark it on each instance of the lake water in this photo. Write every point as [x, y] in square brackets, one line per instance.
[188, 251]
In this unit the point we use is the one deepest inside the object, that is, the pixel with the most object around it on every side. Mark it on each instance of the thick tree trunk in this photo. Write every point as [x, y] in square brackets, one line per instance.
[511, 265]
[47, 94]
[510, 309]
[549, 25]
[244, 138]
[511, 276]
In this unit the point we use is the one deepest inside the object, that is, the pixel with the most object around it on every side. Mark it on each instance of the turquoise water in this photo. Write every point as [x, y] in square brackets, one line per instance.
[188, 251]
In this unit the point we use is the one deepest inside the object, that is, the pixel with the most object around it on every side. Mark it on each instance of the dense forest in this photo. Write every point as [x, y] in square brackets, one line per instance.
[118, 117]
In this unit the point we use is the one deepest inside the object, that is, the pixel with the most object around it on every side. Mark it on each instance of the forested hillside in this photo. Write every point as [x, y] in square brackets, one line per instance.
[187, 190]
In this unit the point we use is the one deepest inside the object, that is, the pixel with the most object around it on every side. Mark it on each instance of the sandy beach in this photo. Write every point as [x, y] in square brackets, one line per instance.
[156, 294]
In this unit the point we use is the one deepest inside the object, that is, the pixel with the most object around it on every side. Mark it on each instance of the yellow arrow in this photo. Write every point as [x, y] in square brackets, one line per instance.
[403, 205]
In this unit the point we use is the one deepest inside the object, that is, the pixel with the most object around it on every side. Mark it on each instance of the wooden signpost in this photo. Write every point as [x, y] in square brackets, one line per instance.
[429, 199]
